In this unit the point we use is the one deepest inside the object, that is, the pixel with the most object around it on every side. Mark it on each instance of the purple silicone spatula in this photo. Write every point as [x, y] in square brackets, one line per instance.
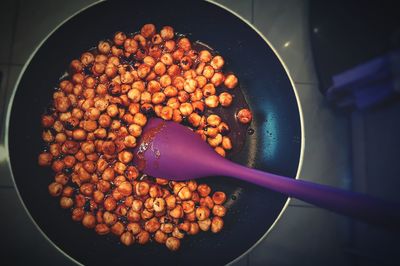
[172, 151]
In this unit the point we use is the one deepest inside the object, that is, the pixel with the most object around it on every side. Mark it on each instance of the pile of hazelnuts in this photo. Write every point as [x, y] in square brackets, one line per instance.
[97, 115]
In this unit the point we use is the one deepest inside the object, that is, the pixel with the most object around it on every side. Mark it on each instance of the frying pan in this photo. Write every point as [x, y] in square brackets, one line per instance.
[275, 146]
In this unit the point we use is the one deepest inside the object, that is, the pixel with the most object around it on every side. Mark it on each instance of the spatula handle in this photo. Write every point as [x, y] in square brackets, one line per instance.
[355, 205]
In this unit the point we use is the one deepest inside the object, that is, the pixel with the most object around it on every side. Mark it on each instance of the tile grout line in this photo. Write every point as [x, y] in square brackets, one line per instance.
[6, 187]
[252, 22]
[11, 64]
[302, 206]
[7, 83]
[306, 83]
[252, 12]
[14, 33]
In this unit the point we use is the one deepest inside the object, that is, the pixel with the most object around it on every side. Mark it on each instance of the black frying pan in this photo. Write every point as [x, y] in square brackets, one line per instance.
[275, 145]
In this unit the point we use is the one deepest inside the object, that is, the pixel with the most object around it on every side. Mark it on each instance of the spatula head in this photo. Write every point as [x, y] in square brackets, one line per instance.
[170, 150]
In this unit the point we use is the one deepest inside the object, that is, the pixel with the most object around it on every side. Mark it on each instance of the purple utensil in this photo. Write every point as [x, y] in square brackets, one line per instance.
[172, 151]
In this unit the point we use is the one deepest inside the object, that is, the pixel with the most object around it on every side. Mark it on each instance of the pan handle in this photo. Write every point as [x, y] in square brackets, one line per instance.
[363, 207]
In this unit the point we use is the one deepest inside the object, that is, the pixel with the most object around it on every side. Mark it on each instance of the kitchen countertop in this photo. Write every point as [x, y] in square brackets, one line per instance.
[305, 235]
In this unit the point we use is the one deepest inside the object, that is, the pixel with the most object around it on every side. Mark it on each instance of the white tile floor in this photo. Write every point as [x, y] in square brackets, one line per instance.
[285, 24]
[7, 23]
[305, 235]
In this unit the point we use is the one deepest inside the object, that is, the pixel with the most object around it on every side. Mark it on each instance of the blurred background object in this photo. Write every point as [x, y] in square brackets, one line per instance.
[352, 149]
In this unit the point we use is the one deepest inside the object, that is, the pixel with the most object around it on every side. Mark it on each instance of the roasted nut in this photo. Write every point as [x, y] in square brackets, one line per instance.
[117, 228]
[205, 56]
[159, 205]
[86, 189]
[125, 156]
[143, 237]
[185, 193]
[102, 229]
[119, 38]
[110, 204]
[98, 196]
[142, 188]
[158, 97]
[202, 213]
[231, 81]
[194, 229]
[109, 218]
[160, 237]
[190, 85]
[220, 151]
[177, 233]
[130, 46]
[140, 119]
[167, 59]
[89, 220]
[217, 79]
[127, 238]
[77, 214]
[133, 216]
[208, 72]
[148, 30]
[132, 172]
[137, 205]
[156, 39]
[87, 58]
[216, 224]
[204, 190]
[172, 243]
[212, 101]
[219, 210]
[153, 86]
[176, 212]
[170, 201]
[130, 141]
[244, 116]
[55, 189]
[194, 119]
[166, 113]
[165, 81]
[217, 62]
[191, 216]
[188, 206]
[167, 33]
[45, 159]
[76, 66]
[125, 188]
[135, 130]
[66, 202]
[169, 45]
[214, 142]
[186, 109]
[173, 70]
[108, 174]
[104, 186]
[47, 121]
[225, 99]
[68, 191]
[152, 225]
[226, 143]
[205, 225]
[184, 43]
[134, 228]
[148, 204]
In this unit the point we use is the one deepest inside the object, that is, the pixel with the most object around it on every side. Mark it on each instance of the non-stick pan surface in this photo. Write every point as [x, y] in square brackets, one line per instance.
[275, 145]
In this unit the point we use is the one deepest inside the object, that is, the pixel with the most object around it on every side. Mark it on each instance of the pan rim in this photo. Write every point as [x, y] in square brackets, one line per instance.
[27, 62]
[302, 139]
